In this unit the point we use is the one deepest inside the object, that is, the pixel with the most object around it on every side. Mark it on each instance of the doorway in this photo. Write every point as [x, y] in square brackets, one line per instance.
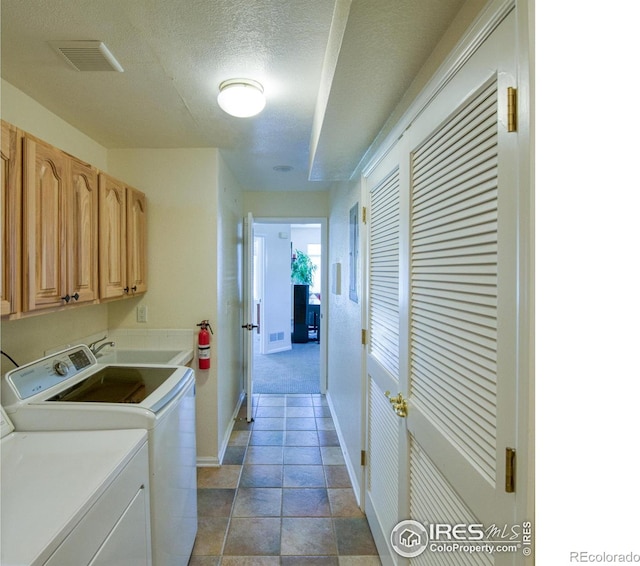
[289, 351]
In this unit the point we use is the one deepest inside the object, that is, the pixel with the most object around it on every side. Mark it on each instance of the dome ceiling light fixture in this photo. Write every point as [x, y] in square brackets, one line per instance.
[242, 98]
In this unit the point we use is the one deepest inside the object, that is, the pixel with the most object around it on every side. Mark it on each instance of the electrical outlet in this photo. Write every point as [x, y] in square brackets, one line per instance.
[141, 313]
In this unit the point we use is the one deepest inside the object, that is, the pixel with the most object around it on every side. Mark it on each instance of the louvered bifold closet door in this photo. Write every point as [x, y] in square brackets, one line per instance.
[384, 429]
[384, 239]
[462, 301]
[454, 279]
[453, 323]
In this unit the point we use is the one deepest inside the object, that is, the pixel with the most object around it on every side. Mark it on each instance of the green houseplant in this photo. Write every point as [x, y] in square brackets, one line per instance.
[302, 269]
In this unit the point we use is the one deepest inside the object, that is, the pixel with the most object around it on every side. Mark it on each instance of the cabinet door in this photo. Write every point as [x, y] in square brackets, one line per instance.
[10, 184]
[44, 266]
[82, 248]
[136, 241]
[113, 237]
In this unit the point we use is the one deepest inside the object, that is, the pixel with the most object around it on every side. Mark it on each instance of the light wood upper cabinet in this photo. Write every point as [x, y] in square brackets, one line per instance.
[60, 228]
[123, 239]
[136, 241]
[70, 235]
[113, 237]
[10, 201]
[45, 169]
[82, 248]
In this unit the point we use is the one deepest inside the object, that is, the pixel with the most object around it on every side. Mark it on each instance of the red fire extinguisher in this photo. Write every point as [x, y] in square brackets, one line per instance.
[204, 350]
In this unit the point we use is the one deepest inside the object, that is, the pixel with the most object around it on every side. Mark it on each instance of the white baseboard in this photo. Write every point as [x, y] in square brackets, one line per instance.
[353, 475]
[229, 430]
[207, 462]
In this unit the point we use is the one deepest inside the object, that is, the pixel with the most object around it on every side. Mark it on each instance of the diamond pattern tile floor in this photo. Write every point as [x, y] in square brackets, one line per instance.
[282, 496]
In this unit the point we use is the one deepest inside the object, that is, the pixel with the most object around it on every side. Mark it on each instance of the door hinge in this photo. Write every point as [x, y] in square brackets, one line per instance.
[510, 470]
[512, 108]
[364, 214]
[363, 457]
[364, 337]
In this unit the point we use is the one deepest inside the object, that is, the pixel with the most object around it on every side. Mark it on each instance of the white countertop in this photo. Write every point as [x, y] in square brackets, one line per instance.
[50, 480]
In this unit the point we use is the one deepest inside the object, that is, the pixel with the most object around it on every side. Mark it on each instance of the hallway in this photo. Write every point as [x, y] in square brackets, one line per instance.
[282, 496]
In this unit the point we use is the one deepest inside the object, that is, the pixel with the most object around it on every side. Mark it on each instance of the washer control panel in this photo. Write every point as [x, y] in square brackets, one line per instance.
[45, 373]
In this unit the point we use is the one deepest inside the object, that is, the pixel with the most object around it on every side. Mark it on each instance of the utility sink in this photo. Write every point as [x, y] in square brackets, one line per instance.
[121, 356]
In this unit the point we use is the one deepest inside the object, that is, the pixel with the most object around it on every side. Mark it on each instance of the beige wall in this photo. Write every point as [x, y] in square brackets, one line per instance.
[195, 209]
[287, 204]
[344, 365]
[22, 111]
[30, 338]
[180, 185]
[229, 303]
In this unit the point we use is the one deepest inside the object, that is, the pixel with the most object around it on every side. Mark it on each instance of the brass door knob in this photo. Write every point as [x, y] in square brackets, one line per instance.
[399, 404]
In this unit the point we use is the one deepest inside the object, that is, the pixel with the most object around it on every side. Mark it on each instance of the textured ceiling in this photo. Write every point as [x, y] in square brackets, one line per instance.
[332, 72]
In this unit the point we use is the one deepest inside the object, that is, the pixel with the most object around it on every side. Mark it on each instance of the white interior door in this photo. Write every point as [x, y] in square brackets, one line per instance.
[249, 324]
[385, 488]
[463, 308]
[443, 311]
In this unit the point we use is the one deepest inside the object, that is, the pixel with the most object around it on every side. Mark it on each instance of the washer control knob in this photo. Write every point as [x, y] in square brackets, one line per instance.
[61, 368]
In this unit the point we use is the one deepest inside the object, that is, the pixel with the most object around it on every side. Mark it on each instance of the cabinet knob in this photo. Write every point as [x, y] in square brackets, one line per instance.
[126, 289]
[66, 298]
[75, 296]
[134, 288]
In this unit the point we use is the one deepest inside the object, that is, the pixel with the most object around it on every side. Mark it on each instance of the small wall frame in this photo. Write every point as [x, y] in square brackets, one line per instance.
[354, 254]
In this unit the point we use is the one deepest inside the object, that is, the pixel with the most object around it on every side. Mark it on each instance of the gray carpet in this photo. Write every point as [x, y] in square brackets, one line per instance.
[294, 371]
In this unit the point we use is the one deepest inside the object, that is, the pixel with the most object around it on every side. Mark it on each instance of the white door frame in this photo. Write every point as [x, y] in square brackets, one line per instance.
[248, 320]
[324, 317]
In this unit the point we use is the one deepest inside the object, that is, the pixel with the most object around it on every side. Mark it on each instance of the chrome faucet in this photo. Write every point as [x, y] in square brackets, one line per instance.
[95, 348]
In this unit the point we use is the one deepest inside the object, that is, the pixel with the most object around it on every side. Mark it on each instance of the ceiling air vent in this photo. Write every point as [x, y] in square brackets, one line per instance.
[87, 55]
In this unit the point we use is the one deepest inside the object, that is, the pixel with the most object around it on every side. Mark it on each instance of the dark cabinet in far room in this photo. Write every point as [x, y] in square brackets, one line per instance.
[300, 301]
